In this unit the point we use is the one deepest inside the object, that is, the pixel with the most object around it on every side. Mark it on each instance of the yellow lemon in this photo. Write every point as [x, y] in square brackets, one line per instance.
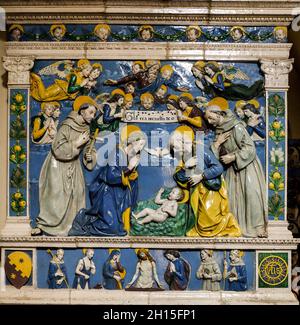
[22, 203]
[13, 107]
[17, 195]
[13, 157]
[23, 156]
[17, 148]
[281, 186]
[276, 175]
[271, 186]
[19, 98]
[23, 108]
[13, 204]
[276, 125]
[282, 134]
[271, 133]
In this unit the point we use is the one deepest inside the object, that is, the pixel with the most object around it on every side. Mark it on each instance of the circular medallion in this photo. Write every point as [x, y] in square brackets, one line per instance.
[273, 270]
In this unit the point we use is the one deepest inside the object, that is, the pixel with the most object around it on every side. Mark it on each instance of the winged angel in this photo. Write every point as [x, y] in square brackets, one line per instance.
[215, 79]
[73, 80]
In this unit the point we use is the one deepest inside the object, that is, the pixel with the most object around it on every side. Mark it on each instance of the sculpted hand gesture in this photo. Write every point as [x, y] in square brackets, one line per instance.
[83, 139]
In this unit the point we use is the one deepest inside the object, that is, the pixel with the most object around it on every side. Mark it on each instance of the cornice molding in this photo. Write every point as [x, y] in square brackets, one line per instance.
[156, 12]
[141, 50]
[150, 242]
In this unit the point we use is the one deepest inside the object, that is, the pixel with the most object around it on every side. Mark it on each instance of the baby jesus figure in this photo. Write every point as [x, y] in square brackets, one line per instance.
[169, 207]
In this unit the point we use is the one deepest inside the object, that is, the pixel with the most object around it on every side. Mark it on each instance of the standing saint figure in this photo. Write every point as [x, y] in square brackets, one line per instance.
[84, 269]
[236, 273]
[177, 274]
[145, 276]
[209, 271]
[57, 273]
[61, 184]
[245, 178]
[113, 271]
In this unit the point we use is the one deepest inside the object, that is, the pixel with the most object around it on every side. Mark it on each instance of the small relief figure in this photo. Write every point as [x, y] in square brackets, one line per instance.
[160, 95]
[209, 271]
[237, 33]
[147, 101]
[171, 79]
[189, 114]
[58, 32]
[141, 75]
[146, 32]
[214, 79]
[72, 82]
[102, 32]
[245, 178]
[16, 32]
[61, 183]
[84, 269]
[172, 103]
[129, 88]
[44, 125]
[235, 274]
[57, 273]
[209, 200]
[145, 276]
[113, 271]
[128, 102]
[114, 191]
[280, 33]
[250, 114]
[177, 274]
[168, 207]
[112, 111]
[193, 33]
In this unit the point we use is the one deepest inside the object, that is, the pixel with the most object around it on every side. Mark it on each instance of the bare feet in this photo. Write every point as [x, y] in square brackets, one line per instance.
[36, 232]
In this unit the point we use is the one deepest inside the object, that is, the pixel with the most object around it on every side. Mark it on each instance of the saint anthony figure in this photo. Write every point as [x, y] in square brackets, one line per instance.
[235, 274]
[113, 271]
[178, 271]
[84, 269]
[113, 193]
[61, 184]
[57, 273]
[244, 175]
[209, 271]
[145, 276]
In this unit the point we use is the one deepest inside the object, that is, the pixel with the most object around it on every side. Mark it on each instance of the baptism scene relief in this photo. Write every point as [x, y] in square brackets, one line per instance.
[146, 148]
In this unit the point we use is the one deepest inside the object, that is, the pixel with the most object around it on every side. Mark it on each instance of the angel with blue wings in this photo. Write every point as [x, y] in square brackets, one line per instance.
[214, 79]
[73, 80]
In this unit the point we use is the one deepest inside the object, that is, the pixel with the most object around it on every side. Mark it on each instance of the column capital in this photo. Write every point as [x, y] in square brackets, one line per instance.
[276, 73]
[18, 68]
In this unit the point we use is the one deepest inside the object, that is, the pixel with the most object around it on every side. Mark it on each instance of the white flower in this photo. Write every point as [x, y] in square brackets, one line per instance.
[277, 156]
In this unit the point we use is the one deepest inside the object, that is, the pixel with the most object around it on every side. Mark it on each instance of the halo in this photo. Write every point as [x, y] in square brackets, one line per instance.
[185, 131]
[79, 101]
[197, 28]
[118, 91]
[199, 65]
[143, 27]
[240, 103]
[55, 104]
[185, 197]
[254, 102]
[97, 66]
[137, 250]
[146, 95]
[127, 130]
[151, 62]
[188, 95]
[173, 97]
[83, 62]
[220, 102]
[128, 98]
[14, 26]
[238, 27]
[140, 63]
[166, 67]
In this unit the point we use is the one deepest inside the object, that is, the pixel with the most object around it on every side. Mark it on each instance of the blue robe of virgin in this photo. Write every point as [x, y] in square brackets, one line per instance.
[179, 279]
[113, 191]
[109, 282]
[241, 283]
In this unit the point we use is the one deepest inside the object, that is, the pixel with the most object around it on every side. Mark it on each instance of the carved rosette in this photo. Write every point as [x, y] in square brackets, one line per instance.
[18, 69]
[277, 73]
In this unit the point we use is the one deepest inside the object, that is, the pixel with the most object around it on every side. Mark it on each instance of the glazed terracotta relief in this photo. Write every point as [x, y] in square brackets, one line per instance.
[146, 148]
[146, 33]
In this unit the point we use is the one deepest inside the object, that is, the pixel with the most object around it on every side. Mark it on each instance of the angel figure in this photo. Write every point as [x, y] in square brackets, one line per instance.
[73, 80]
[214, 79]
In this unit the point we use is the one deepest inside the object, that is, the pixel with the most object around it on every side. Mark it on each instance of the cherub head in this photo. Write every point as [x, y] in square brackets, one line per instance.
[237, 33]
[193, 33]
[16, 31]
[48, 108]
[128, 101]
[96, 71]
[280, 33]
[58, 31]
[147, 100]
[102, 31]
[161, 91]
[166, 71]
[130, 87]
[138, 66]
[85, 67]
[146, 32]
